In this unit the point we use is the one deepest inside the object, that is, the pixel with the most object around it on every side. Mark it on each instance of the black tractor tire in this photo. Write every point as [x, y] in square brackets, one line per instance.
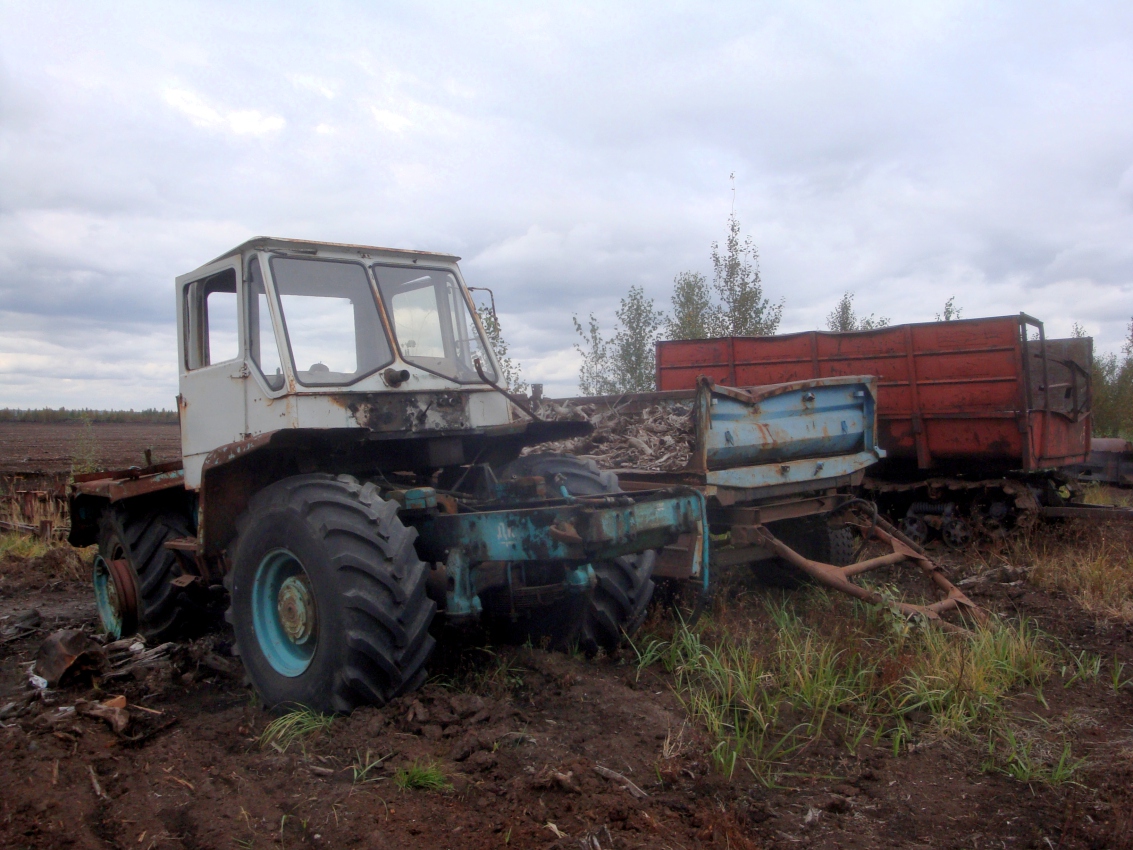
[618, 604]
[813, 538]
[139, 538]
[366, 583]
[581, 476]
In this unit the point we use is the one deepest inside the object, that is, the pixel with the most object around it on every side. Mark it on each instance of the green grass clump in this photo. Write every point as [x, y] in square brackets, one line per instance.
[765, 691]
[21, 545]
[364, 765]
[1024, 757]
[294, 726]
[421, 777]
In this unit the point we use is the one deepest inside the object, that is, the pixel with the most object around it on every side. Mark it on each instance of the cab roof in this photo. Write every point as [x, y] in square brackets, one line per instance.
[311, 247]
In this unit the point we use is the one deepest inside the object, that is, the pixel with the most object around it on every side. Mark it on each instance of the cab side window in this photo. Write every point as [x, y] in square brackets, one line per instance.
[261, 333]
[211, 328]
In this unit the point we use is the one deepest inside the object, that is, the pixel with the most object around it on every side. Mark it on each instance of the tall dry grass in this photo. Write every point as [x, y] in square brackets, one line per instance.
[1092, 562]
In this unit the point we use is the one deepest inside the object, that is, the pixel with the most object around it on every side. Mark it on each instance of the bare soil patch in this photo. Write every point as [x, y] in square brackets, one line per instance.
[519, 735]
[35, 449]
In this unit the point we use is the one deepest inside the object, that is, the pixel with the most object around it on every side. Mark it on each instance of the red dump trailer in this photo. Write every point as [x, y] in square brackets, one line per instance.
[975, 416]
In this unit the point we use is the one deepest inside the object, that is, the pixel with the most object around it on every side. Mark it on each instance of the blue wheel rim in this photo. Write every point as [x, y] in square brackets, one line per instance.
[106, 598]
[284, 613]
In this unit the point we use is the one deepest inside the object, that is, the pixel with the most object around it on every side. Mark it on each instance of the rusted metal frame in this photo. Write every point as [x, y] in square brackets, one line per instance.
[759, 514]
[1006, 379]
[873, 564]
[756, 394]
[814, 354]
[134, 472]
[839, 577]
[702, 422]
[732, 360]
[1044, 415]
[1102, 512]
[985, 350]
[924, 458]
[1026, 391]
[117, 489]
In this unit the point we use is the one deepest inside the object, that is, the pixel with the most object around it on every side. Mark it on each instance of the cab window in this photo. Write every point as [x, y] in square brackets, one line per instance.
[261, 334]
[211, 328]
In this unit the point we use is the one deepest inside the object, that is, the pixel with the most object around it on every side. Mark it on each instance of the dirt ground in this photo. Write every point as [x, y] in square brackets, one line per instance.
[519, 736]
[46, 448]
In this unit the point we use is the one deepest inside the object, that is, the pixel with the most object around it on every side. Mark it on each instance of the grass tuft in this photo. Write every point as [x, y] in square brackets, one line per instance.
[294, 727]
[20, 545]
[1028, 758]
[763, 694]
[421, 777]
[364, 765]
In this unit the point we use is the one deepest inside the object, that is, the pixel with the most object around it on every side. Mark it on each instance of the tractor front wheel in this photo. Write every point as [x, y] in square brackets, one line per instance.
[328, 596]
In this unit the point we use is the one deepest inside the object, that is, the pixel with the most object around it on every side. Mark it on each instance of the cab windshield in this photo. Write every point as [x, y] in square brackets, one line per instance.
[431, 320]
[333, 326]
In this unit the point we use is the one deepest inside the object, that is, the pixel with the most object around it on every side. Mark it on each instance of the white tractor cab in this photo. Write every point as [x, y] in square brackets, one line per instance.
[350, 467]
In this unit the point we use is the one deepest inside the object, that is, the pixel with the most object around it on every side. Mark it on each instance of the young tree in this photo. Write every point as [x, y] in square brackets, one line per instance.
[1111, 381]
[634, 343]
[951, 311]
[694, 315]
[596, 374]
[743, 309]
[626, 362]
[510, 377]
[843, 318]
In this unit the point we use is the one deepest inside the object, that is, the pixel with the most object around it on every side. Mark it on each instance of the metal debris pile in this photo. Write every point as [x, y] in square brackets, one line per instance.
[658, 436]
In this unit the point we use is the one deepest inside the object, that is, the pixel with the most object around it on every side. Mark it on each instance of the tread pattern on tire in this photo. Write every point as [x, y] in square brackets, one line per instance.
[380, 579]
[620, 602]
[142, 536]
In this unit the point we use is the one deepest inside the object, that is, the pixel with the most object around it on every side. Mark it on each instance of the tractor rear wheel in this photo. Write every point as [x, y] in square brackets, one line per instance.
[618, 603]
[328, 595]
[138, 569]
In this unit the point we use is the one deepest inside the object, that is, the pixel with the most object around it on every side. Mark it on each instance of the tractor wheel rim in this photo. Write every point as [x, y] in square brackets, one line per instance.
[116, 596]
[106, 598]
[284, 613]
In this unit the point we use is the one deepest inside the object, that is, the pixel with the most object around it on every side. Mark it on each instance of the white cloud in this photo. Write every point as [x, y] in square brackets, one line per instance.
[306, 82]
[390, 121]
[193, 105]
[253, 122]
[242, 122]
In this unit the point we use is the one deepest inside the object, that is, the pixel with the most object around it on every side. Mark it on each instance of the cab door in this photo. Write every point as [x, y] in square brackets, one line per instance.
[213, 369]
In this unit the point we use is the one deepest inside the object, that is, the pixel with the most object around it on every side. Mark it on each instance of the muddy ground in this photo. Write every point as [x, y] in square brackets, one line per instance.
[518, 735]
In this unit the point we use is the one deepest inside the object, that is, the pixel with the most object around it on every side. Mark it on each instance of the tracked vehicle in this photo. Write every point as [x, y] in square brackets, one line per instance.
[351, 471]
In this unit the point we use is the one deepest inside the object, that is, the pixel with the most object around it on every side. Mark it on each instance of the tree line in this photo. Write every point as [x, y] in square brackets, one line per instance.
[150, 416]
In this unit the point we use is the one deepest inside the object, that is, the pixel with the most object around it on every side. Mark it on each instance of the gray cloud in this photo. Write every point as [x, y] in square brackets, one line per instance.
[904, 152]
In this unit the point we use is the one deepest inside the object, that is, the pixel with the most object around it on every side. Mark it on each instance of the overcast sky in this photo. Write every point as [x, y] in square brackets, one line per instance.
[904, 152]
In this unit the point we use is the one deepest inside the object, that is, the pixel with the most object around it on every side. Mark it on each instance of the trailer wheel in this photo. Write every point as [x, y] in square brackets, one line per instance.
[813, 538]
[328, 595]
[132, 548]
[619, 602]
